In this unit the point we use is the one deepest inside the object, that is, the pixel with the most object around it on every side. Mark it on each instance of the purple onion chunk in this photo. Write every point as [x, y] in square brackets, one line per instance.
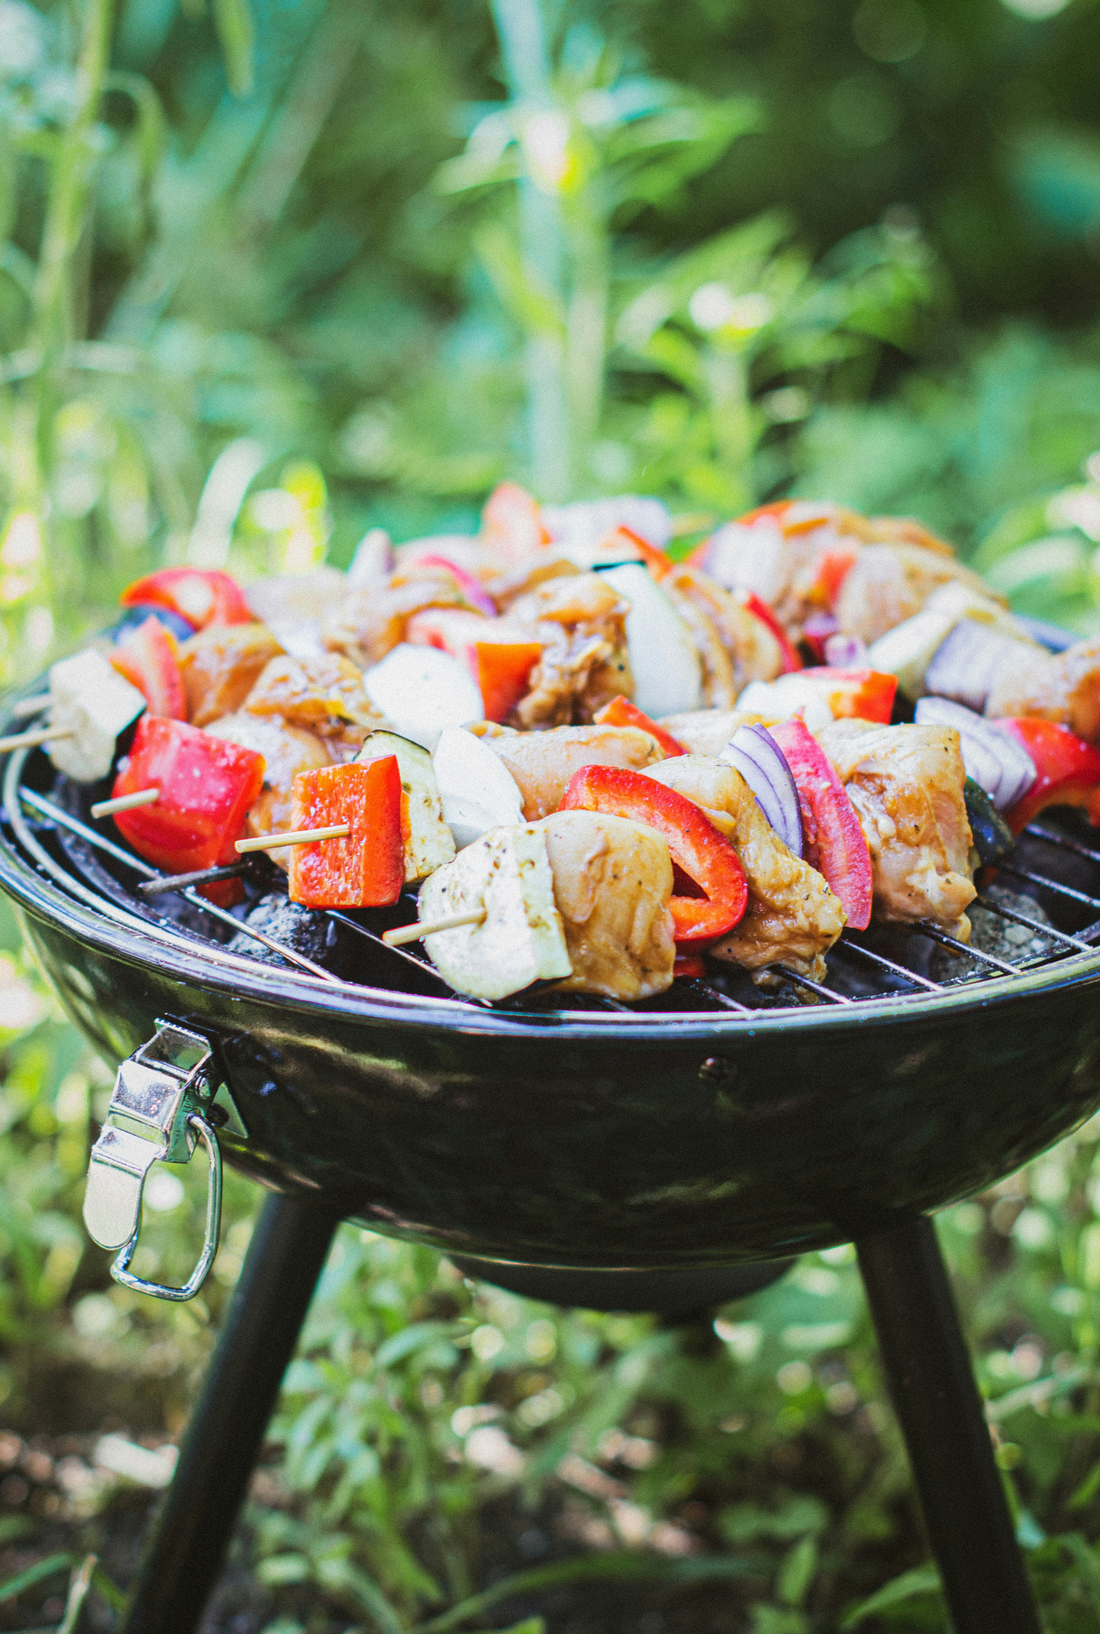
[991, 756]
[754, 753]
[965, 664]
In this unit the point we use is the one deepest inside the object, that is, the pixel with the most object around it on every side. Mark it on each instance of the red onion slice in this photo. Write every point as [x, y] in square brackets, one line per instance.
[991, 757]
[846, 652]
[755, 754]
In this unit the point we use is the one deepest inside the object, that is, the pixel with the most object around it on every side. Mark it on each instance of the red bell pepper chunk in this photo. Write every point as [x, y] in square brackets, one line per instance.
[499, 655]
[760, 609]
[148, 658]
[1068, 768]
[856, 694]
[367, 868]
[206, 788]
[831, 570]
[202, 594]
[695, 845]
[511, 522]
[621, 712]
[832, 840]
[656, 560]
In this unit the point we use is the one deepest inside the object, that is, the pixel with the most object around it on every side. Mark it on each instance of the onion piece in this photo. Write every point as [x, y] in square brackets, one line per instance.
[965, 664]
[755, 754]
[992, 757]
[846, 652]
[471, 588]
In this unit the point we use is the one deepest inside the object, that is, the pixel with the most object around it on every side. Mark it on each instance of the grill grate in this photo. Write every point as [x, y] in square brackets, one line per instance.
[1055, 875]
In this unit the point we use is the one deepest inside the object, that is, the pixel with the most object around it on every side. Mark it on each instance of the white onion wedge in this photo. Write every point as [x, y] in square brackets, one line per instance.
[421, 690]
[663, 656]
[476, 787]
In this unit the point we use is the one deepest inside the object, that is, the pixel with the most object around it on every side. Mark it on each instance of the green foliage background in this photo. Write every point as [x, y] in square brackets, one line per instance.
[270, 276]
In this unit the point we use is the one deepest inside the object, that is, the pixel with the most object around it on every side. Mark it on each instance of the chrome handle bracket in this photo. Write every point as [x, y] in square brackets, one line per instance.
[156, 1115]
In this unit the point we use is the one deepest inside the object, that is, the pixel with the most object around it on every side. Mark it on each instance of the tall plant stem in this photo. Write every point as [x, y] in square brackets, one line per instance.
[54, 306]
[542, 253]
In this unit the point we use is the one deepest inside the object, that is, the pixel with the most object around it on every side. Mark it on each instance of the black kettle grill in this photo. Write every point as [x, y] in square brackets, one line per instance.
[666, 1156]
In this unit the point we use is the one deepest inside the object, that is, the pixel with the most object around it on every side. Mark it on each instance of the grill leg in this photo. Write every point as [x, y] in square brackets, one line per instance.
[189, 1536]
[936, 1399]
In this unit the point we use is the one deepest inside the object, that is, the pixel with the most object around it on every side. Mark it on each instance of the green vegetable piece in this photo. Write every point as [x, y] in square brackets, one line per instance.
[993, 839]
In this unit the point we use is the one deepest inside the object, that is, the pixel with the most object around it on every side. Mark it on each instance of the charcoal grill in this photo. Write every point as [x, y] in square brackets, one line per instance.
[669, 1154]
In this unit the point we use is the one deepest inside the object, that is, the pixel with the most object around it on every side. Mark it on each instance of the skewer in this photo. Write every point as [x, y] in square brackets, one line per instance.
[200, 876]
[414, 933]
[299, 836]
[26, 707]
[126, 802]
[31, 740]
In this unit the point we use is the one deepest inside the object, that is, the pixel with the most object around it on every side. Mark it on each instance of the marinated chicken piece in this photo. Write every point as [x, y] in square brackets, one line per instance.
[542, 763]
[752, 651]
[891, 582]
[707, 731]
[612, 885]
[906, 784]
[719, 687]
[506, 588]
[369, 623]
[287, 750]
[324, 694]
[792, 918]
[1062, 687]
[220, 665]
[582, 622]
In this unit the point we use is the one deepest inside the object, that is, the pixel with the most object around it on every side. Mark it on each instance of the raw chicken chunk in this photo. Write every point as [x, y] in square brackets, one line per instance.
[891, 582]
[906, 784]
[542, 763]
[792, 918]
[324, 694]
[582, 622]
[1062, 687]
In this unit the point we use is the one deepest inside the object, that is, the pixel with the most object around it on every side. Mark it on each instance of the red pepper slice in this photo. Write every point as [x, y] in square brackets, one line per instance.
[832, 839]
[760, 609]
[148, 657]
[831, 570]
[206, 788]
[621, 712]
[1068, 769]
[695, 845]
[775, 509]
[204, 595]
[691, 965]
[365, 870]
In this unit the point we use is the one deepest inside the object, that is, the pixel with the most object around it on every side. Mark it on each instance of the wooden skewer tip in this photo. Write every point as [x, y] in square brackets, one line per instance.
[301, 836]
[126, 802]
[31, 740]
[414, 933]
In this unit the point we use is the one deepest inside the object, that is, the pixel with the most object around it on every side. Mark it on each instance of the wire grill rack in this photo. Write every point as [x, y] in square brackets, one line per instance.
[1041, 910]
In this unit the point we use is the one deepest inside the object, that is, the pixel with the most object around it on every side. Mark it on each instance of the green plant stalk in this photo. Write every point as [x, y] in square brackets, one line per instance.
[586, 332]
[730, 407]
[66, 220]
[542, 252]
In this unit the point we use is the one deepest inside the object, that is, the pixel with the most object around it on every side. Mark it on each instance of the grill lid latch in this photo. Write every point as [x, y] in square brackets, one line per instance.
[156, 1115]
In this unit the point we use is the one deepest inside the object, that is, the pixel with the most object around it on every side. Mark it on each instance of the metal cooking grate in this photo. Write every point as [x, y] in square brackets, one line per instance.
[1042, 909]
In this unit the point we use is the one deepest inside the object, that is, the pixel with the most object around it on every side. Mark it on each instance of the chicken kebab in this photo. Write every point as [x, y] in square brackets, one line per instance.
[595, 763]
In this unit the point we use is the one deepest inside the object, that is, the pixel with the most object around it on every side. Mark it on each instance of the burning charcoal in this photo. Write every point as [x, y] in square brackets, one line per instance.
[307, 932]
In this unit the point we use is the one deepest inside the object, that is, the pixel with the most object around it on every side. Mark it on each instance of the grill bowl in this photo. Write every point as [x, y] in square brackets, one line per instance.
[583, 1139]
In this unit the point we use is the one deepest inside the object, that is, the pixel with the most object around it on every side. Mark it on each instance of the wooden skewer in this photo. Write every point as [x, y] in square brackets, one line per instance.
[30, 740]
[126, 802]
[30, 706]
[428, 927]
[300, 836]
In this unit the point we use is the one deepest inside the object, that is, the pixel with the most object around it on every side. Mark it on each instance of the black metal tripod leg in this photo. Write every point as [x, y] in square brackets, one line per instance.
[931, 1381]
[186, 1546]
